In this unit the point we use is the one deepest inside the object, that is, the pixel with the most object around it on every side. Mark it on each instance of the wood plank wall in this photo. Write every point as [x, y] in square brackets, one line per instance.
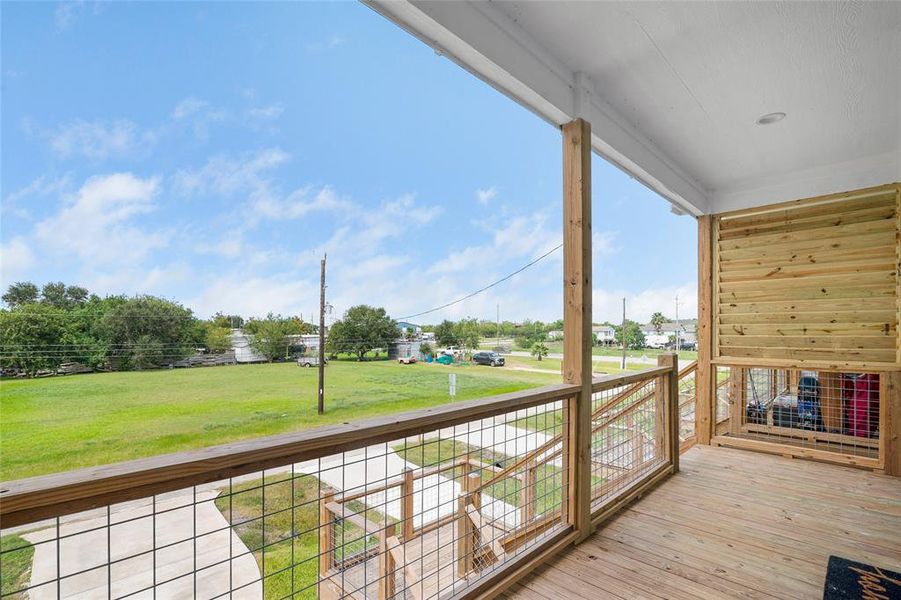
[811, 282]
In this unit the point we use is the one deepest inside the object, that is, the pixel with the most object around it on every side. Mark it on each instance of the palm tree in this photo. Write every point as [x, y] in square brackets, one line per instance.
[657, 320]
[539, 350]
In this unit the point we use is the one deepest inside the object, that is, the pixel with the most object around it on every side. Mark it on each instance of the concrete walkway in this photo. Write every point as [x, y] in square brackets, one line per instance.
[192, 561]
[88, 544]
[434, 496]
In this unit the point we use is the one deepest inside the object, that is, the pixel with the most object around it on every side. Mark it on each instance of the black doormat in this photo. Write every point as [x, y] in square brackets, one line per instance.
[846, 579]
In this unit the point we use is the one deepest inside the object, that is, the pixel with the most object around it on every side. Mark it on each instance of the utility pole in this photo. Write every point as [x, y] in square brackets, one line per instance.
[678, 328]
[320, 406]
[498, 320]
[624, 334]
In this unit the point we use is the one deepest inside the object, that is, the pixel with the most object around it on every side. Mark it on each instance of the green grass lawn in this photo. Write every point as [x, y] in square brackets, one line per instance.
[684, 355]
[264, 519]
[15, 563]
[62, 423]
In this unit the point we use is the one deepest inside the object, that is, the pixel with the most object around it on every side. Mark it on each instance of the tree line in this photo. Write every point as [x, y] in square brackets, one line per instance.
[44, 328]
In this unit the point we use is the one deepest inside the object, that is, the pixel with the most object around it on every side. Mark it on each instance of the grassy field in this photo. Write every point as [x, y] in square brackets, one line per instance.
[62, 423]
[15, 563]
[289, 563]
[614, 353]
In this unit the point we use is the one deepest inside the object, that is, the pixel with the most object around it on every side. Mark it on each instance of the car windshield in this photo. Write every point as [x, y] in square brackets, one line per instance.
[492, 354]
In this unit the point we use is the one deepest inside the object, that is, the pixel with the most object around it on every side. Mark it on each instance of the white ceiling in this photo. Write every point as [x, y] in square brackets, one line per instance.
[673, 89]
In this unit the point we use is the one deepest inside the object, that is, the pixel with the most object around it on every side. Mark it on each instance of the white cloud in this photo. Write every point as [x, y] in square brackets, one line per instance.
[41, 186]
[199, 113]
[603, 245]
[486, 195]
[96, 223]
[271, 111]
[189, 106]
[298, 203]
[67, 12]
[16, 257]
[257, 296]
[99, 140]
[333, 41]
[165, 280]
[228, 176]
[520, 237]
[231, 245]
[640, 305]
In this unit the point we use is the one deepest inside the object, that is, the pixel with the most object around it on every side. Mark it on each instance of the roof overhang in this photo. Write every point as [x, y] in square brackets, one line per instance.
[507, 45]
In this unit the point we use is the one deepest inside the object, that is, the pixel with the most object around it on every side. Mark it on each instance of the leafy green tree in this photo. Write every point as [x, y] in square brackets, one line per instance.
[634, 336]
[146, 331]
[363, 328]
[227, 321]
[539, 350]
[30, 337]
[21, 292]
[426, 349]
[446, 334]
[270, 337]
[657, 321]
[218, 339]
[530, 333]
[467, 333]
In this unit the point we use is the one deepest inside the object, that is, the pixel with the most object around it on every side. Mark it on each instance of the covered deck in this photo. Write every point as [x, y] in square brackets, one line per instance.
[726, 526]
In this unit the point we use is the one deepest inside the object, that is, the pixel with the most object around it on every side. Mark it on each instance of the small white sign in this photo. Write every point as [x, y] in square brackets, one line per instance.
[452, 384]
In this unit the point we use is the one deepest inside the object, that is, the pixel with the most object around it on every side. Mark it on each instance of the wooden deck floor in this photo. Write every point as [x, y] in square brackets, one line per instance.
[732, 524]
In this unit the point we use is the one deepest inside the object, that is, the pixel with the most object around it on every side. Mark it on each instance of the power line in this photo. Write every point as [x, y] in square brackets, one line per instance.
[487, 287]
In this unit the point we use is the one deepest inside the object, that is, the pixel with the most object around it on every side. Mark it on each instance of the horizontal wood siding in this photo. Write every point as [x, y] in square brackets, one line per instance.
[813, 281]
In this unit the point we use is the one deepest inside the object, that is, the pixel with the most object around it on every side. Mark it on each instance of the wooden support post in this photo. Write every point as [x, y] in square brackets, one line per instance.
[386, 569]
[527, 494]
[326, 534]
[471, 484]
[794, 381]
[661, 386]
[737, 382]
[670, 407]
[406, 506]
[577, 318]
[890, 422]
[463, 530]
[831, 401]
[636, 443]
[705, 375]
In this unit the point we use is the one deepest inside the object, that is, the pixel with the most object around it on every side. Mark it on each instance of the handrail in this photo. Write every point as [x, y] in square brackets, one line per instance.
[639, 378]
[28, 500]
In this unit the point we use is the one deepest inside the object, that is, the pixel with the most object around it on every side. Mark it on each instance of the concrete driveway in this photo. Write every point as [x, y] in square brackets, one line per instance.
[193, 560]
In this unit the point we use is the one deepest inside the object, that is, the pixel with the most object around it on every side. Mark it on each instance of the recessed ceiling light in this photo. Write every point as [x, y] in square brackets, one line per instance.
[771, 118]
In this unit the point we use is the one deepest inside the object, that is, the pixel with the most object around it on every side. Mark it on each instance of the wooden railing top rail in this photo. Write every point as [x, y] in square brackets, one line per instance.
[608, 382]
[28, 500]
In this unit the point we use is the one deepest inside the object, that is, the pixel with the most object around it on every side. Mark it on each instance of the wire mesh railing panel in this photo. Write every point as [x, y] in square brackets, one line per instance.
[416, 517]
[721, 389]
[687, 403]
[628, 436]
[821, 410]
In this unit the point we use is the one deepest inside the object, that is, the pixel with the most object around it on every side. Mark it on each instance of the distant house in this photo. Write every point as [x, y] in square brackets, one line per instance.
[686, 329]
[244, 353]
[555, 335]
[403, 348]
[307, 342]
[606, 335]
[407, 328]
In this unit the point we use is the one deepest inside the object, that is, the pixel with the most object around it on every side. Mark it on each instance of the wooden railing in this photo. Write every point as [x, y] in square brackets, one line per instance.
[525, 483]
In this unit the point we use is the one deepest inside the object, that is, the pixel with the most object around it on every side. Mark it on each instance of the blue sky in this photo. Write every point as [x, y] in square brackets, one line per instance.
[210, 153]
